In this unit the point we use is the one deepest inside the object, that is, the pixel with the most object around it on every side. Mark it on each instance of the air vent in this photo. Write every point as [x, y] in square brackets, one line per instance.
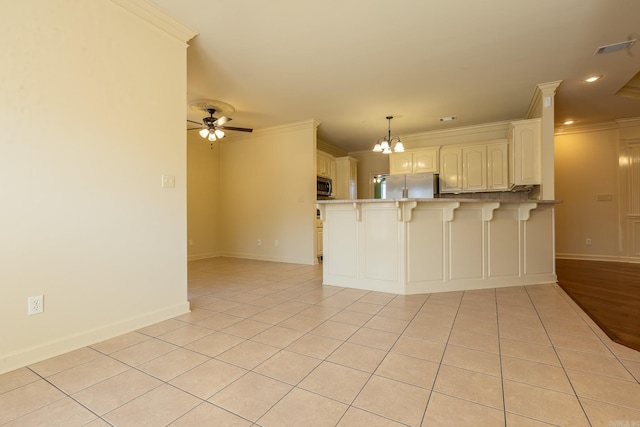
[615, 47]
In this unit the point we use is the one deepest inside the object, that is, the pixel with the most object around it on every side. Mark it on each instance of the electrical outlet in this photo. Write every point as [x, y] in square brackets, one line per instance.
[588, 242]
[190, 242]
[168, 181]
[259, 242]
[35, 305]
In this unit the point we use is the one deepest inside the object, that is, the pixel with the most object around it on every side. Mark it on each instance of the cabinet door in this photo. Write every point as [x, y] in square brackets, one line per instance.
[400, 163]
[474, 168]
[346, 182]
[353, 180]
[451, 170]
[527, 143]
[425, 160]
[324, 164]
[318, 242]
[498, 166]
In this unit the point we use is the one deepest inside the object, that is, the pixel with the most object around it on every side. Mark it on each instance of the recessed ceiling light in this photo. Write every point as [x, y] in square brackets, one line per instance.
[569, 122]
[592, 79]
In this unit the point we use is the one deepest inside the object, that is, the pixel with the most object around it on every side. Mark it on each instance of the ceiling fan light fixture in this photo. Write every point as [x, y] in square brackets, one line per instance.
[219, 134]
[212, 137]
[204, 132]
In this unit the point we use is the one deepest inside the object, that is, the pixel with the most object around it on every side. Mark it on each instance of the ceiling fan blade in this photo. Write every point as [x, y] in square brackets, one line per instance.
[222, 120]
[194, 128]
[197, 123]
[234, 128]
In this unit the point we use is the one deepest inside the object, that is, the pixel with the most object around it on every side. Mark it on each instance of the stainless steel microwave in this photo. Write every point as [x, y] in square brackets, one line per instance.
[324, 186]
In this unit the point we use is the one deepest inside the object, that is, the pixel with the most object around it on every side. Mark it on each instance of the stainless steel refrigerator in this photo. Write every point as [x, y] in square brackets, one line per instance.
[413, 186]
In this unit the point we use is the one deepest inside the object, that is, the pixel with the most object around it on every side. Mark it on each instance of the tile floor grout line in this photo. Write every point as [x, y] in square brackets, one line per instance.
[555, 350]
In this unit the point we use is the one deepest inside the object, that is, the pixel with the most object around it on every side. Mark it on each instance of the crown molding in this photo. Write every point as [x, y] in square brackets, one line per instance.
[591, 127]
[542, 89]
[330, 149]
[150, 13]
[475, 130]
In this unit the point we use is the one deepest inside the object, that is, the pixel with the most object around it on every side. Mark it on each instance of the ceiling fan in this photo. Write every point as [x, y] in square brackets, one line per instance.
[212, 128]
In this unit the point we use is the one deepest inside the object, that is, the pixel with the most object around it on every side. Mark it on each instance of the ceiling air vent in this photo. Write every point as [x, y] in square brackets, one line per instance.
[615, 47]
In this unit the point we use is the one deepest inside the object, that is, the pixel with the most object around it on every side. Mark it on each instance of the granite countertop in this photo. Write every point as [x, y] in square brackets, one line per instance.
[437, 200]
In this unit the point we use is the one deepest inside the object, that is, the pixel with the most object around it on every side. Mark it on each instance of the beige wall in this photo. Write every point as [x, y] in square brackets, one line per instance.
[92, 103]
[265, 183]
[203, 197]
[369, 164]
[586, 166]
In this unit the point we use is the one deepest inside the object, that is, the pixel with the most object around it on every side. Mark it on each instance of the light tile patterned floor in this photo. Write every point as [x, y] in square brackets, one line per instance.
[267, 345]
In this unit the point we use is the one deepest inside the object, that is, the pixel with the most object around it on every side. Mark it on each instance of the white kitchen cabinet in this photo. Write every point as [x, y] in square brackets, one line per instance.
[346, 181]
[498, 166]
[525, 135]
[474, 168]
[319, 251]
[325, 165]
[451, 170]
[417, 160]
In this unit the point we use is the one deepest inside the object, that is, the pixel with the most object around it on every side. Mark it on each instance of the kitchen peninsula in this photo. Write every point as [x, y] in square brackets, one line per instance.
[412, 246]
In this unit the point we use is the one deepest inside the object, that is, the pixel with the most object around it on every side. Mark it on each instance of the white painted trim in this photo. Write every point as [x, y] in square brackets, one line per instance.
[149, 12]
[62, 345]
[242, 255]
[588, 257]
[205, 255]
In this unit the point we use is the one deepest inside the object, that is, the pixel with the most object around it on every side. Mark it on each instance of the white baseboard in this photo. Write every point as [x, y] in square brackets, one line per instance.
[60, 345]
[585, 257]
[206, 255]
[311, 261]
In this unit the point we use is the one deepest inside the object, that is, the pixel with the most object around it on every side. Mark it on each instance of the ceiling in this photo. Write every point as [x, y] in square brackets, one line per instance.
[351, 63]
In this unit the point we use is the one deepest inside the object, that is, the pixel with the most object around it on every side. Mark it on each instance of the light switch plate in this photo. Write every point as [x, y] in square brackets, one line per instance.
[168, 181]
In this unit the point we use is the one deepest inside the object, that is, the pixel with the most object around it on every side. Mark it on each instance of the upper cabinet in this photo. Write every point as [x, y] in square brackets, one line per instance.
[418, 160]
[506, 155]
[498, 166]
[346, 181]
[475, 168]
[525, 135]
[325, 165]
[451, 170]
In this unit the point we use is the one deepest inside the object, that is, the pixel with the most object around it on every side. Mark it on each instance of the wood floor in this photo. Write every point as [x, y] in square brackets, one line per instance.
[609, 292]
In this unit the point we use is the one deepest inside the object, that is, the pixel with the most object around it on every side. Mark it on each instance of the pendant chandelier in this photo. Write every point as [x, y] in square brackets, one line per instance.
[384, 145]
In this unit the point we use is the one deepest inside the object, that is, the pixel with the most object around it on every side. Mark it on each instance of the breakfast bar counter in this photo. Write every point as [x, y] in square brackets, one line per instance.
[412, 246]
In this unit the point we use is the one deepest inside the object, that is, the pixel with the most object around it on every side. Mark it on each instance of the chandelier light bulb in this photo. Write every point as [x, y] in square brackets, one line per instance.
[384, 145]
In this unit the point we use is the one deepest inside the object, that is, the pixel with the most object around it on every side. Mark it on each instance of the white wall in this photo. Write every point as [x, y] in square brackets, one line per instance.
[92, 110]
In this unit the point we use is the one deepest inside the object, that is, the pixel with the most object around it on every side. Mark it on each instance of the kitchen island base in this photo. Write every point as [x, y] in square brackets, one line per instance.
[414, 246]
